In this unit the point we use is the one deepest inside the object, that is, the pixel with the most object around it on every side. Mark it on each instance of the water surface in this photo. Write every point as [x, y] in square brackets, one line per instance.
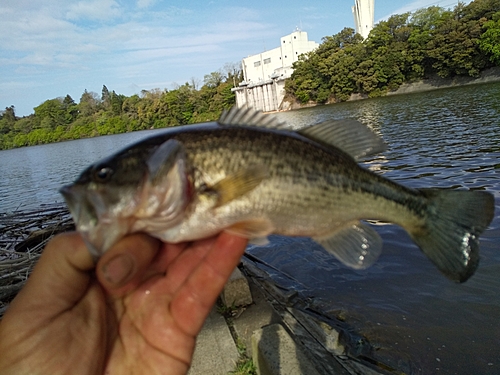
[413, 319]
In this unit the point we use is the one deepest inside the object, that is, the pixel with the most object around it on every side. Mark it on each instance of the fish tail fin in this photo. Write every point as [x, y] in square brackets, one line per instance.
[450, 237]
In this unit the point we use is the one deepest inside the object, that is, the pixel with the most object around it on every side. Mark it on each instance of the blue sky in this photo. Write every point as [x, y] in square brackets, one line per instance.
[52, 48]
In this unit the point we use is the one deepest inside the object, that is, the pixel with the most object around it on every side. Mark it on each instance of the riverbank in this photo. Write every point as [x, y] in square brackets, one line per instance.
[435, 83]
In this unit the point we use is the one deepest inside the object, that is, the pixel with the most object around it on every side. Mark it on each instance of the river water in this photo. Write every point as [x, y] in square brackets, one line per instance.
[411, 318]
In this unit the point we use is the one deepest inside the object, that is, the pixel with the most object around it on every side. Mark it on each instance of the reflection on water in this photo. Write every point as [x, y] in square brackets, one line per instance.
[413, 318]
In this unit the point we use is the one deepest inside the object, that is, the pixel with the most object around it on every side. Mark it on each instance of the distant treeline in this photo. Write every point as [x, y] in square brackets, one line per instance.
[431, 42]
[428, 43]
[111, 113]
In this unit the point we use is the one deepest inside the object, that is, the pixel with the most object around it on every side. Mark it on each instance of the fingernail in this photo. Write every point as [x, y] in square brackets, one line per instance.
[118, 269]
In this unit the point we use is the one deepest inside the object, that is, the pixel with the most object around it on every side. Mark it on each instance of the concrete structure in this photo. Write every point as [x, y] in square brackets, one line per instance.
[274, 352]
[236, 292]
[215, 351]
[264, 73]
[363, 12]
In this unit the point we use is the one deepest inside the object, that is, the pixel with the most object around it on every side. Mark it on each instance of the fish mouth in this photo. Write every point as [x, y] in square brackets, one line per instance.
[98, 233]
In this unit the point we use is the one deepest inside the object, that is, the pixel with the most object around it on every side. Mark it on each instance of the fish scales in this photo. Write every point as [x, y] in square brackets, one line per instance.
[192, 182]
[296, 168]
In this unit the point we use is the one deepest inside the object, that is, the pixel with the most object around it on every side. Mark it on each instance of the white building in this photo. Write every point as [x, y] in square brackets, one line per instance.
[363, 12]
[265, 73]
[278, 61]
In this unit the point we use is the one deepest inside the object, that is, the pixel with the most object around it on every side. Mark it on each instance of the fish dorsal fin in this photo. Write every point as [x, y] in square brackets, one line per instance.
[238, 184]
[355, 245]
[250, 117]
[350, 136]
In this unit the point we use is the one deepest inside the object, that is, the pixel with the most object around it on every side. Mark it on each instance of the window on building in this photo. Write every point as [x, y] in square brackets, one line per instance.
[267, 61]
[284, 42]
[294, 37]
[256, 64]
[285, 56]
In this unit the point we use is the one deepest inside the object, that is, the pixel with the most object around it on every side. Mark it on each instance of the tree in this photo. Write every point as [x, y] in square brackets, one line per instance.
[71, 108]
[51, 114]
[89, 103]
[116, 102]
[213, 79]
[455, 49]
[105, 98]
[424, 24]
[489, 41]
[7, 119]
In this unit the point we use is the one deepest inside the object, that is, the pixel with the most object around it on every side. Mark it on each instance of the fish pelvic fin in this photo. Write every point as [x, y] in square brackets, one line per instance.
[238, 184]
[356, 245]
[350, 136]
[450, 237]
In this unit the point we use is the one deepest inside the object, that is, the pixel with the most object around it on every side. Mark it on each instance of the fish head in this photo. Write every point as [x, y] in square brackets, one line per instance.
[123, 193]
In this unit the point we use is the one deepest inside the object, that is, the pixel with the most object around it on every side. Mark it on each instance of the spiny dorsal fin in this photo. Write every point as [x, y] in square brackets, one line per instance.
[350, 136]
[250, 117]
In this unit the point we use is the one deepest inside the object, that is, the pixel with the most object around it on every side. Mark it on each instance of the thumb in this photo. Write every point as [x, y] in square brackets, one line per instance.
[123, 267]
[60, 278]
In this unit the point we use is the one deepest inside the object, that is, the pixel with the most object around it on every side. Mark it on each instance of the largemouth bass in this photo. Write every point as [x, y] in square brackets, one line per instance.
[248, 175]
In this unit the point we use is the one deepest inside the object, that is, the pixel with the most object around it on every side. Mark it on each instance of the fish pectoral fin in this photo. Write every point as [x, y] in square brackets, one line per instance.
[356, 245]
[255, 229]
[238, 184]
[163, 159]
[351, 136]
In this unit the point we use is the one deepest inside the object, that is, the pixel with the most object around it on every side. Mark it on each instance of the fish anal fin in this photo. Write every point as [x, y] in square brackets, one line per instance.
[255, 229]
[350, 136]
[238, 184]
[356, 245]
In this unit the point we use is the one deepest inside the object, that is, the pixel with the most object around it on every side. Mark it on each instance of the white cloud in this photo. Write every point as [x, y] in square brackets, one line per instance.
[56, 49]
[94, 10]
[142, 4]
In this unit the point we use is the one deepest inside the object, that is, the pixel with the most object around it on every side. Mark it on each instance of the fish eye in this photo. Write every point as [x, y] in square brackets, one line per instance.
[103, 173]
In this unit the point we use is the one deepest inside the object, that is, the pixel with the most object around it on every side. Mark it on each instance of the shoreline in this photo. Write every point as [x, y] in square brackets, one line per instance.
[490, 75]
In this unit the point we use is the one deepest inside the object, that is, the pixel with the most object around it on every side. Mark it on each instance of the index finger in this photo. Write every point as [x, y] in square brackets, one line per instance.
[195, 298]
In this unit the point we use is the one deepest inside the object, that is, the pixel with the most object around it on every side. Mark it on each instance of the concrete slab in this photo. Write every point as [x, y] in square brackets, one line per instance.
[254, 317]
[236, 292]
[275, 353]
[215, 352]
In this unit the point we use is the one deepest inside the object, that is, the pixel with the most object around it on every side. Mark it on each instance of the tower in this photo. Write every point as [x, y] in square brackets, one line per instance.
[363, 12]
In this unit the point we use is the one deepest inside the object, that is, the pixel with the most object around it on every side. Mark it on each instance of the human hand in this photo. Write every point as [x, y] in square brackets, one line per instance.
[138, 313]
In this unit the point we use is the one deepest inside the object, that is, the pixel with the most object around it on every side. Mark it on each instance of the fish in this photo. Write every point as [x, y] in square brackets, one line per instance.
[251, 175]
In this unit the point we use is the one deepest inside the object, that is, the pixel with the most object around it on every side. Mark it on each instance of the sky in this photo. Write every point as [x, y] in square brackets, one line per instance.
[49, 49]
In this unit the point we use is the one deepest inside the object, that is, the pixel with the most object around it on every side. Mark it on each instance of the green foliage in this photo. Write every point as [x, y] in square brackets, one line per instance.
[490, 39]
[111, 113]
[404, 48]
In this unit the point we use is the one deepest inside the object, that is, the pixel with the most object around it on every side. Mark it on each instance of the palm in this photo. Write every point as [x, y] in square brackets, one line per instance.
[148, 325]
